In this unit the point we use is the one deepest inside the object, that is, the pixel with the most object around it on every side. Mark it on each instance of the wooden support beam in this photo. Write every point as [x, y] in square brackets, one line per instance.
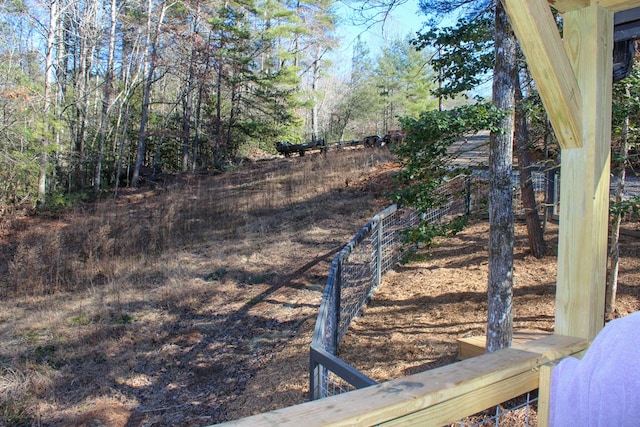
[612, 5]
[568, 5]
[536, 29]
[616, 5]
[431, 398]
[544, 394]
[584, 191]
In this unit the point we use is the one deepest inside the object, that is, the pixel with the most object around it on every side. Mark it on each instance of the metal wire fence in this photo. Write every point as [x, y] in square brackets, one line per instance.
[518, 412]
[355, 274]
[545, 186]
[359, 267]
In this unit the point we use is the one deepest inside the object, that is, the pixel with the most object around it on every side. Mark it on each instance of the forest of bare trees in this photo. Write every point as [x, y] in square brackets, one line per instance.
[103, 94]
[93, 92]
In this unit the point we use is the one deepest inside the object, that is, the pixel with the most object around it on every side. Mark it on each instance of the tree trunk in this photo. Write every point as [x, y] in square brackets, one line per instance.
[614, 260]
[314, 86]
[234, 98]
[534, 228]
[614, 230]
[187, 100]
[47, 101]
[343, 124]
[142, 135]
[62, 73]
[84, 21]
[84, 52]
[106, 98]
[131, 78]
[196, 140]
[217, 155]
[201, 94]
[121, 145]
[501, 234]
[150, 62]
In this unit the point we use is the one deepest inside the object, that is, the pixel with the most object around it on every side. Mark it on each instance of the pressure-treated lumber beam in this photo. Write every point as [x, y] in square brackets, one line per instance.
[431, 398]
[536, 29]
[584, 191]
[617, 5]
[568, 5]
[612, 5]
[544, 394]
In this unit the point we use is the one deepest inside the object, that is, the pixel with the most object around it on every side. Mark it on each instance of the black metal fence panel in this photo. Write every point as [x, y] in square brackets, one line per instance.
[358, 269]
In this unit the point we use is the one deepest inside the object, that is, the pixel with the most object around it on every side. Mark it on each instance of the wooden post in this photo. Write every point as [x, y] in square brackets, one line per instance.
[435, 397]
[544, 394]
[574, 78]
[584, 191]
[537, 32]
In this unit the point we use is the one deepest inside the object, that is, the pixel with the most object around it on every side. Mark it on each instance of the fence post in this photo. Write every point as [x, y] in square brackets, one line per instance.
[379, 253]
[337, 296]
[467, 196]
[548, 196]
[544, 393]
[314, 378]
[556, 193]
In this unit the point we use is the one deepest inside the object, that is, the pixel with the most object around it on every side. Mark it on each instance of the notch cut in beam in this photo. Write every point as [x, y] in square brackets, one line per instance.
[535, 27]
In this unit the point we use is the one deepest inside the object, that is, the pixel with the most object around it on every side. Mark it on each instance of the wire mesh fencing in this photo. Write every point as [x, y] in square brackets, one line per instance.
[545, 184]
[358, 269]
[353, 278]
[518, 412]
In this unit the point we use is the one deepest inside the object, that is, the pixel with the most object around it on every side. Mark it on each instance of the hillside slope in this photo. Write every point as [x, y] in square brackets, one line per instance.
[160, 308]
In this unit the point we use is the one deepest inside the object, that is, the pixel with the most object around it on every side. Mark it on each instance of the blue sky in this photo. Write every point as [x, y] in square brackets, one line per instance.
[404, 19]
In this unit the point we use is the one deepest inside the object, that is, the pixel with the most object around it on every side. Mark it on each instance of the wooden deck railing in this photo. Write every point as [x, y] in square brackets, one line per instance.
[436, 397]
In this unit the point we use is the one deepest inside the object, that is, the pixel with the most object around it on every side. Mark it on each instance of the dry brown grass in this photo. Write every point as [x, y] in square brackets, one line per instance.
[194, 302]
[19, 391]
[165, 302]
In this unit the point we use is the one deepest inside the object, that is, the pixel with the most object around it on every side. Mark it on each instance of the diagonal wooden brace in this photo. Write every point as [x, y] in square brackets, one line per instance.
[535, 27]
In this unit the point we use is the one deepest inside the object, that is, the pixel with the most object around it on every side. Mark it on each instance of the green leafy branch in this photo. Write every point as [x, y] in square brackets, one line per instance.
[426, 161]
[625, 208]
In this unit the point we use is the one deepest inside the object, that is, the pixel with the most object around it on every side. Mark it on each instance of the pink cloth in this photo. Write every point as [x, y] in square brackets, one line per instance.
[602, 389]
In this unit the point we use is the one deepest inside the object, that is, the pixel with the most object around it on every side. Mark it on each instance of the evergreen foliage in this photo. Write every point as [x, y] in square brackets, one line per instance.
[426, 161]
[398, 82]
[625, 119]
[627, 105]
[463, 54]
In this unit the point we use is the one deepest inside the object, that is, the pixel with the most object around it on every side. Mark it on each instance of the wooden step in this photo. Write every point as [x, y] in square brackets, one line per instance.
[475, 346]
